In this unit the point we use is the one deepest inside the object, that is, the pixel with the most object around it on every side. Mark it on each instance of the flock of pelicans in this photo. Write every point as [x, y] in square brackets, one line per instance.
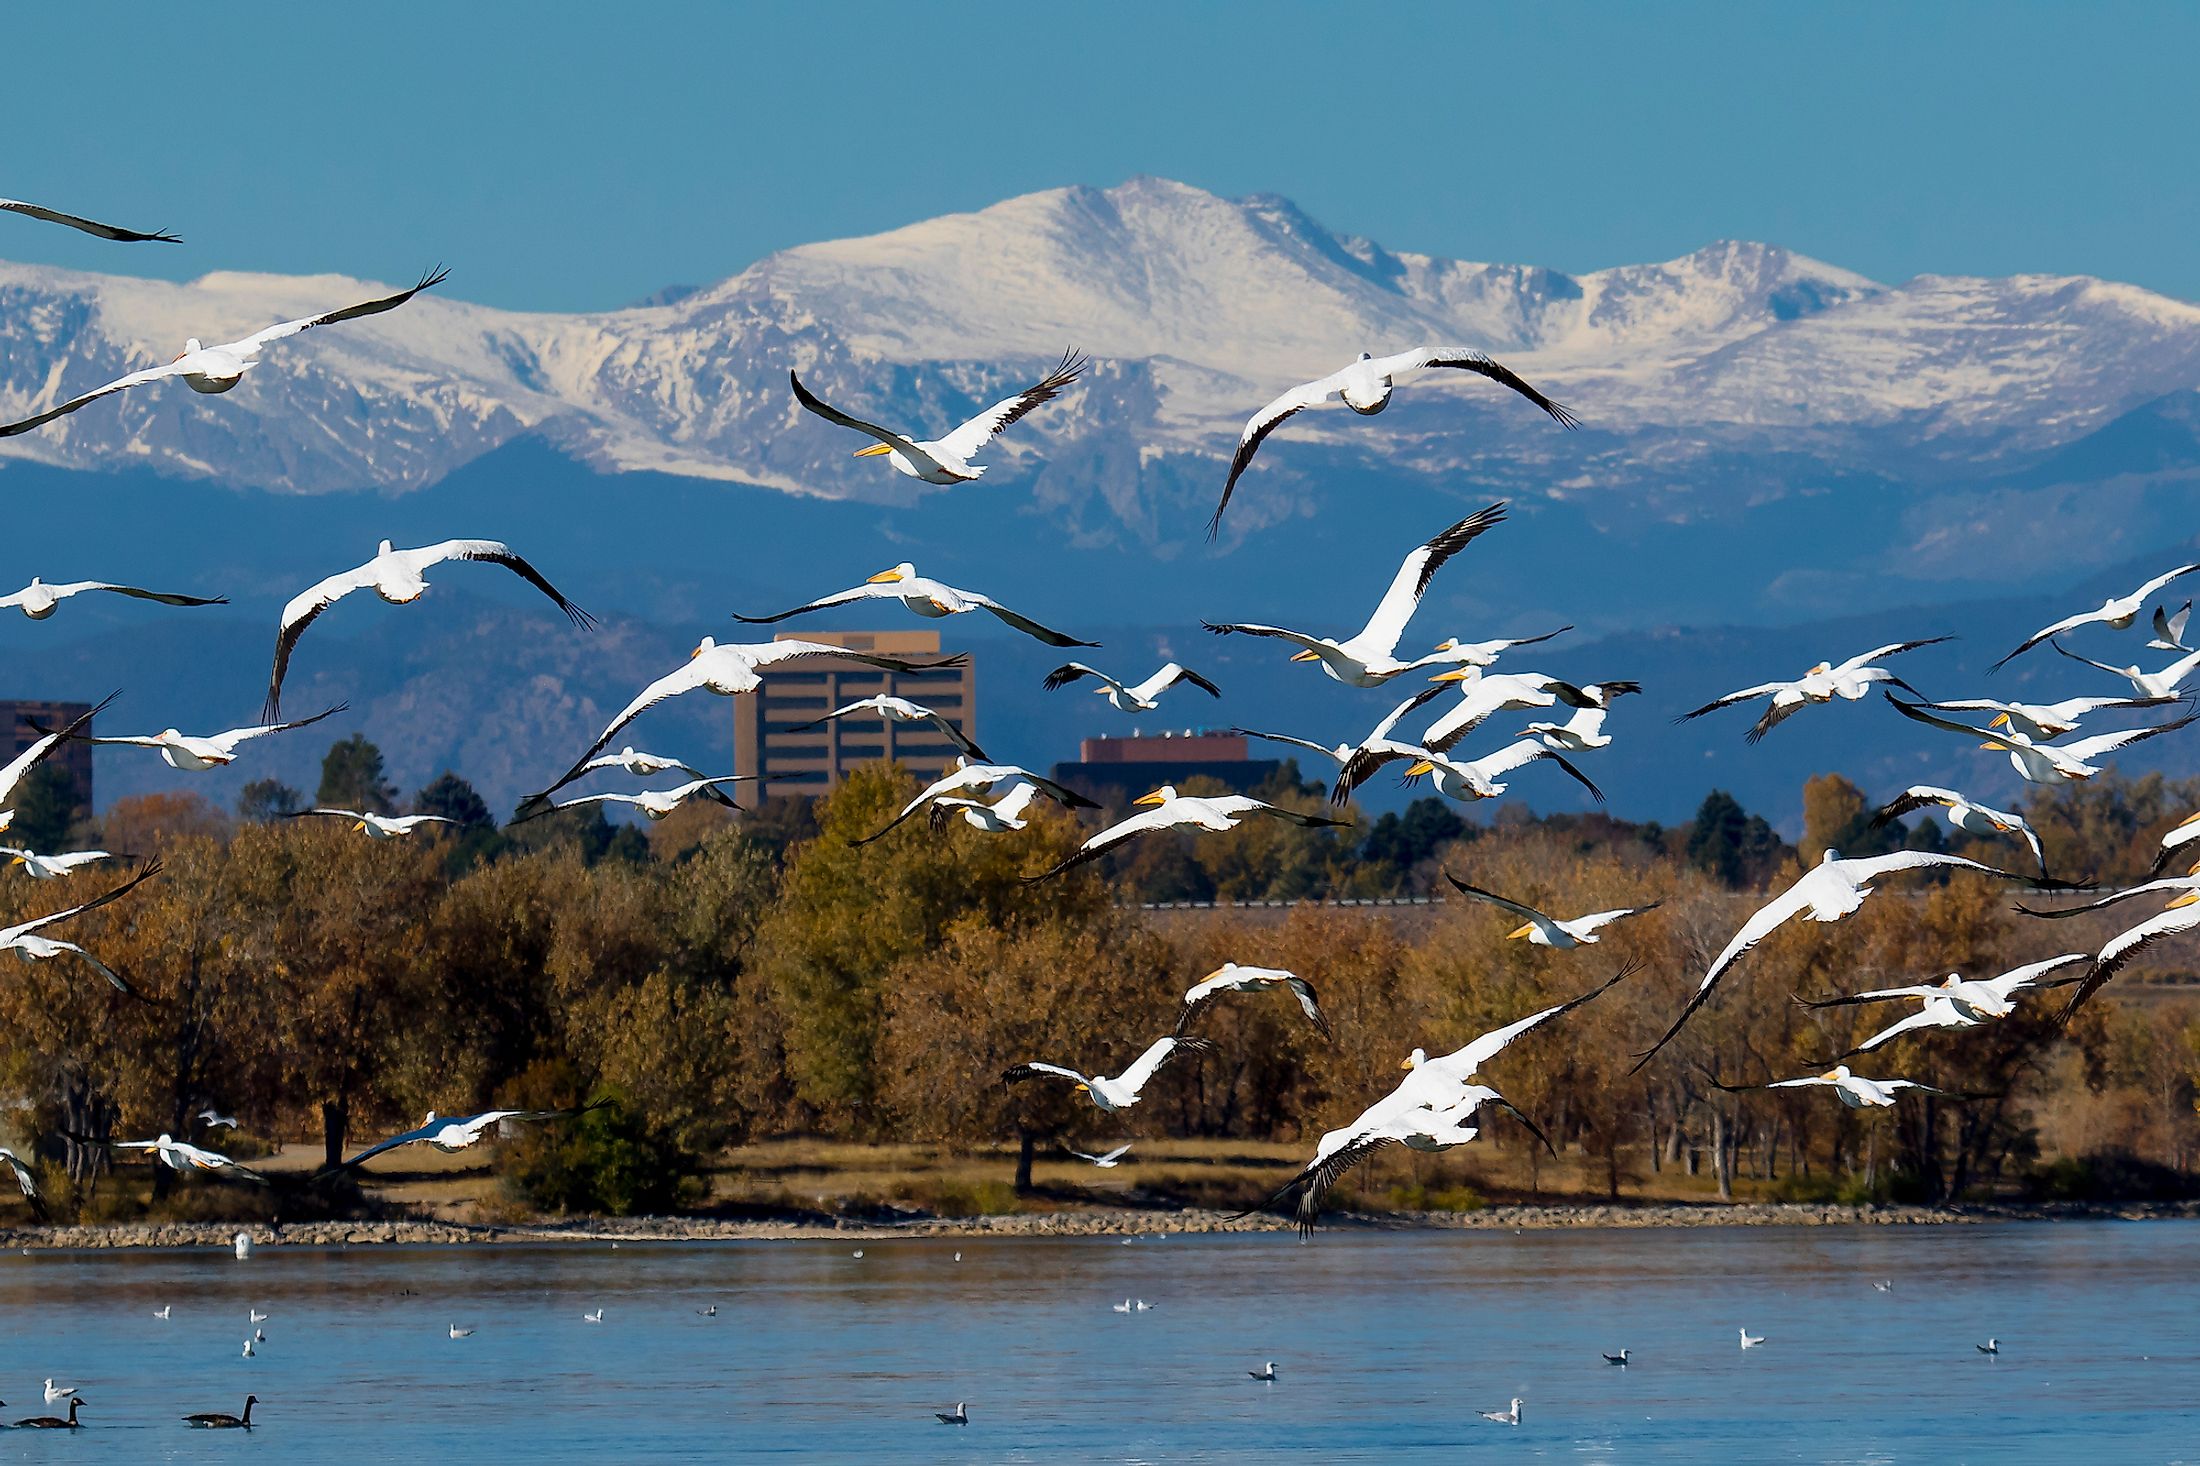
[1439, 1102]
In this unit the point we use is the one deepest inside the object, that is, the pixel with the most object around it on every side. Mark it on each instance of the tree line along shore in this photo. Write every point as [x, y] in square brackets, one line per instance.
[728, 983]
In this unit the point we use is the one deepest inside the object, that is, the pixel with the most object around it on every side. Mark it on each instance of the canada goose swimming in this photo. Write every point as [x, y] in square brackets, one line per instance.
[216, 1420]
[52, 1422]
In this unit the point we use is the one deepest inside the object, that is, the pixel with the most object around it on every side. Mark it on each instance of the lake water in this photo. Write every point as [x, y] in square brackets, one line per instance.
[1386, 1344]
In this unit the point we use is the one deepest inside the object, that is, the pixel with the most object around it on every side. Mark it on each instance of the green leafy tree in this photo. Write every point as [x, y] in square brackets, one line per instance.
[456, 800]
[45, 809]
[352, 778]
[267, 799]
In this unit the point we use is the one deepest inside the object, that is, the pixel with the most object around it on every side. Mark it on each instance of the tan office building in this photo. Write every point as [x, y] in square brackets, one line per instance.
[768, 738]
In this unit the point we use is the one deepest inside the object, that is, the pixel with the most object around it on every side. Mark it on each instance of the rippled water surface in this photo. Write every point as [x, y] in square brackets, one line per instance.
[1386, 1343]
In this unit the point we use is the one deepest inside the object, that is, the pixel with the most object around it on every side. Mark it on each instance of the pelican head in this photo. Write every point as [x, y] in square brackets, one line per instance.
[1523, 930]
[873, 451]
[1836, 1074]
[2000, 720]
[1210, 977]
[702, 646]
[1420, 767]
[1083, 1088]
[903, 571]
[190, 348]
[1159, 796]
[1414, 1060]
[1829, 857]
[2185, 900]
[1309, 655]
[1820, 670]
[1456, 674]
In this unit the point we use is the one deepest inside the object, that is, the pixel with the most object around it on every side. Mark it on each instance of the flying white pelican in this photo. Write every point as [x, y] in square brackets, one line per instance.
[216, 1420]
[453, 1133]
[1829, 891]
[2169, 629]
[192, 755]
[961, 1416]
[1964, 813]
[179, 1155]
[926, 597]
[1370, 657]
[1142, 697]
[1106, 1162]
[2181, 915]
[1549, 931]
[398, 577]
[730, 669]
[656, 804]
[968, 778]
[1750, 1340]
[1510, 1415]
[1122, 1091]
[89, 226]
[218, 368]
[1365, 387]
[375, 826]
[1342, 754]
[631, 760]
[2117, 611]
[1231, 978]
[1452, 652]
[24, 941]
[946, 460]
[2045, 719]
[216, 1120]
[39, 600]
[900, 710]
[1853, 1090]
[1852, 679]
[2042, 763]
[1583, 732]
[1483, 695]
[26, 1180]
[1170, 810]
[2174, 839]
[2144, 684]
[47, 867]
[1955, 1001]
[1431, 1109]
[13, 772]
[1009, 808]
[1464, 780]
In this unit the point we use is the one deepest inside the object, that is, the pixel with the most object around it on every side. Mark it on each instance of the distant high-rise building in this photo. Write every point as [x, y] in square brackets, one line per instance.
[73, 758]
[1116, 771]
[768, 739]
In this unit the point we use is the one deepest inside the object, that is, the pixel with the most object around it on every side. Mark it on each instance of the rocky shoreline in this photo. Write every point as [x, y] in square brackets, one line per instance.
[1113, 1223]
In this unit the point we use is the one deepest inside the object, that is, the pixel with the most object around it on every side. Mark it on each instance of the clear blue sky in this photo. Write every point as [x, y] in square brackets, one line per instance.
[564, 156]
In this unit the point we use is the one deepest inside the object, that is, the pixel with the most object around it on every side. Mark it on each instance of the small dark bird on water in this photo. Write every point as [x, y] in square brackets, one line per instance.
[1991, 1346]
[1619, 1359]
[960, 1417]
[1266, 1372]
